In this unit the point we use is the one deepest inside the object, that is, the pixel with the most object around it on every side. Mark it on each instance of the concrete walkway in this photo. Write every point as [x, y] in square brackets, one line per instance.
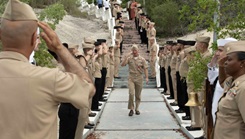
[154, 122]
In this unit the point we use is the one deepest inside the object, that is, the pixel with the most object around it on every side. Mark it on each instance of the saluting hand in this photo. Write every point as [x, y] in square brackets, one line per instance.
[147, 80]
[50, 37]
[222, 60]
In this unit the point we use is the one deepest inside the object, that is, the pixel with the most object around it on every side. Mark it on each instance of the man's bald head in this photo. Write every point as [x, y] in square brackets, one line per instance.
[18, 34]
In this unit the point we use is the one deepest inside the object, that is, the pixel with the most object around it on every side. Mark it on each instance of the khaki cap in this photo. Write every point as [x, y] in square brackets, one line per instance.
[152, 23]
[87, 45]
[236, 46]
[138, 5]
[73, 46]
[203, 39]
[18, 11]
[135, 47]
[89, 40]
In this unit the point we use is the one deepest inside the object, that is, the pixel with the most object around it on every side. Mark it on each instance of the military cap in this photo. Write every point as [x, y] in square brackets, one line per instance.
[87, 45]
[111, 46]
[116, 3]
[174, 43]
[169, 42]
[142, 14]
[70, 46]
[89, 40]
[98, 43]
[134, 47]
[122, 22]
[235, 46]
[65, 45]
[101, 40]
[222, 42]
[203, 39]
[18, 11]
[181, 42]
[190, 43]
[116, 27]
[161, 47]
[152, 23]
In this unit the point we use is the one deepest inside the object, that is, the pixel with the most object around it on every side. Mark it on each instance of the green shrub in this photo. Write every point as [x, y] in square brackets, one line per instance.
[166, 18]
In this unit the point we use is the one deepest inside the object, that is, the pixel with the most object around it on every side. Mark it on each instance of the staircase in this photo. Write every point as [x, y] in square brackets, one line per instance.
[131, 37]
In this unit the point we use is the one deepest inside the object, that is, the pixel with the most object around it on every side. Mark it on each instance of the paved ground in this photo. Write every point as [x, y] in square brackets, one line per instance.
[155, 120]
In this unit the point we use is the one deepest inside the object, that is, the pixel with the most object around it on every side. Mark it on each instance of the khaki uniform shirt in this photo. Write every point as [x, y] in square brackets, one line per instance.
[163, 61]
[104, 59]
[183, 68]
[97, 66]
[152, 32]
[119, 36]
[231, 113]
[138, 13]
[30, 96]
[136, 66]
[117, 52]
[168, 59]
[179, 59]
[173, 62]
[153, 50]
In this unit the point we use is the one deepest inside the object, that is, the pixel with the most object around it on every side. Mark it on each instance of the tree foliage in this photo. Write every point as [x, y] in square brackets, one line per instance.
[198, 70]
[166, 18]
[52, 14]
[230, 16]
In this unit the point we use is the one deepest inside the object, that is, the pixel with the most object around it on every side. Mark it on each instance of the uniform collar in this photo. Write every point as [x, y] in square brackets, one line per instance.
[238, 81]
[13, 55]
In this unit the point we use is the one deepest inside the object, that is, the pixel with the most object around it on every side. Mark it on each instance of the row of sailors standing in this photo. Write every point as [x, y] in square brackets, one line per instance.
[174, 61]
[101, 62]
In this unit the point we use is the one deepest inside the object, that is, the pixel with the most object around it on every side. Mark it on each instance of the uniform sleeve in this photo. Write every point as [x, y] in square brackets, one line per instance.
[70, 89]
[145, 64]
[240, 100]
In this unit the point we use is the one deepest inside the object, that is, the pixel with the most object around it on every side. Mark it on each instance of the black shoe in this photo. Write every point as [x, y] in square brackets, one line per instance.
[131, 113]
[202, 137]
[170, 98]
[106, 93]
[100, 104]
[95, 109]
[190, 128]
[179, 111]
[92, 114]
[173, 104]
[103, 100]
[147, 51]
[137, 112]
[186, 117]
[90, 124]
[88, 127]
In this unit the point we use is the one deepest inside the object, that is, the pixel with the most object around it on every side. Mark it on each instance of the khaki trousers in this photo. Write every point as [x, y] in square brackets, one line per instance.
[174, 82]
[153, 66]
[110, 79]
[116, 65]
[135, 85]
